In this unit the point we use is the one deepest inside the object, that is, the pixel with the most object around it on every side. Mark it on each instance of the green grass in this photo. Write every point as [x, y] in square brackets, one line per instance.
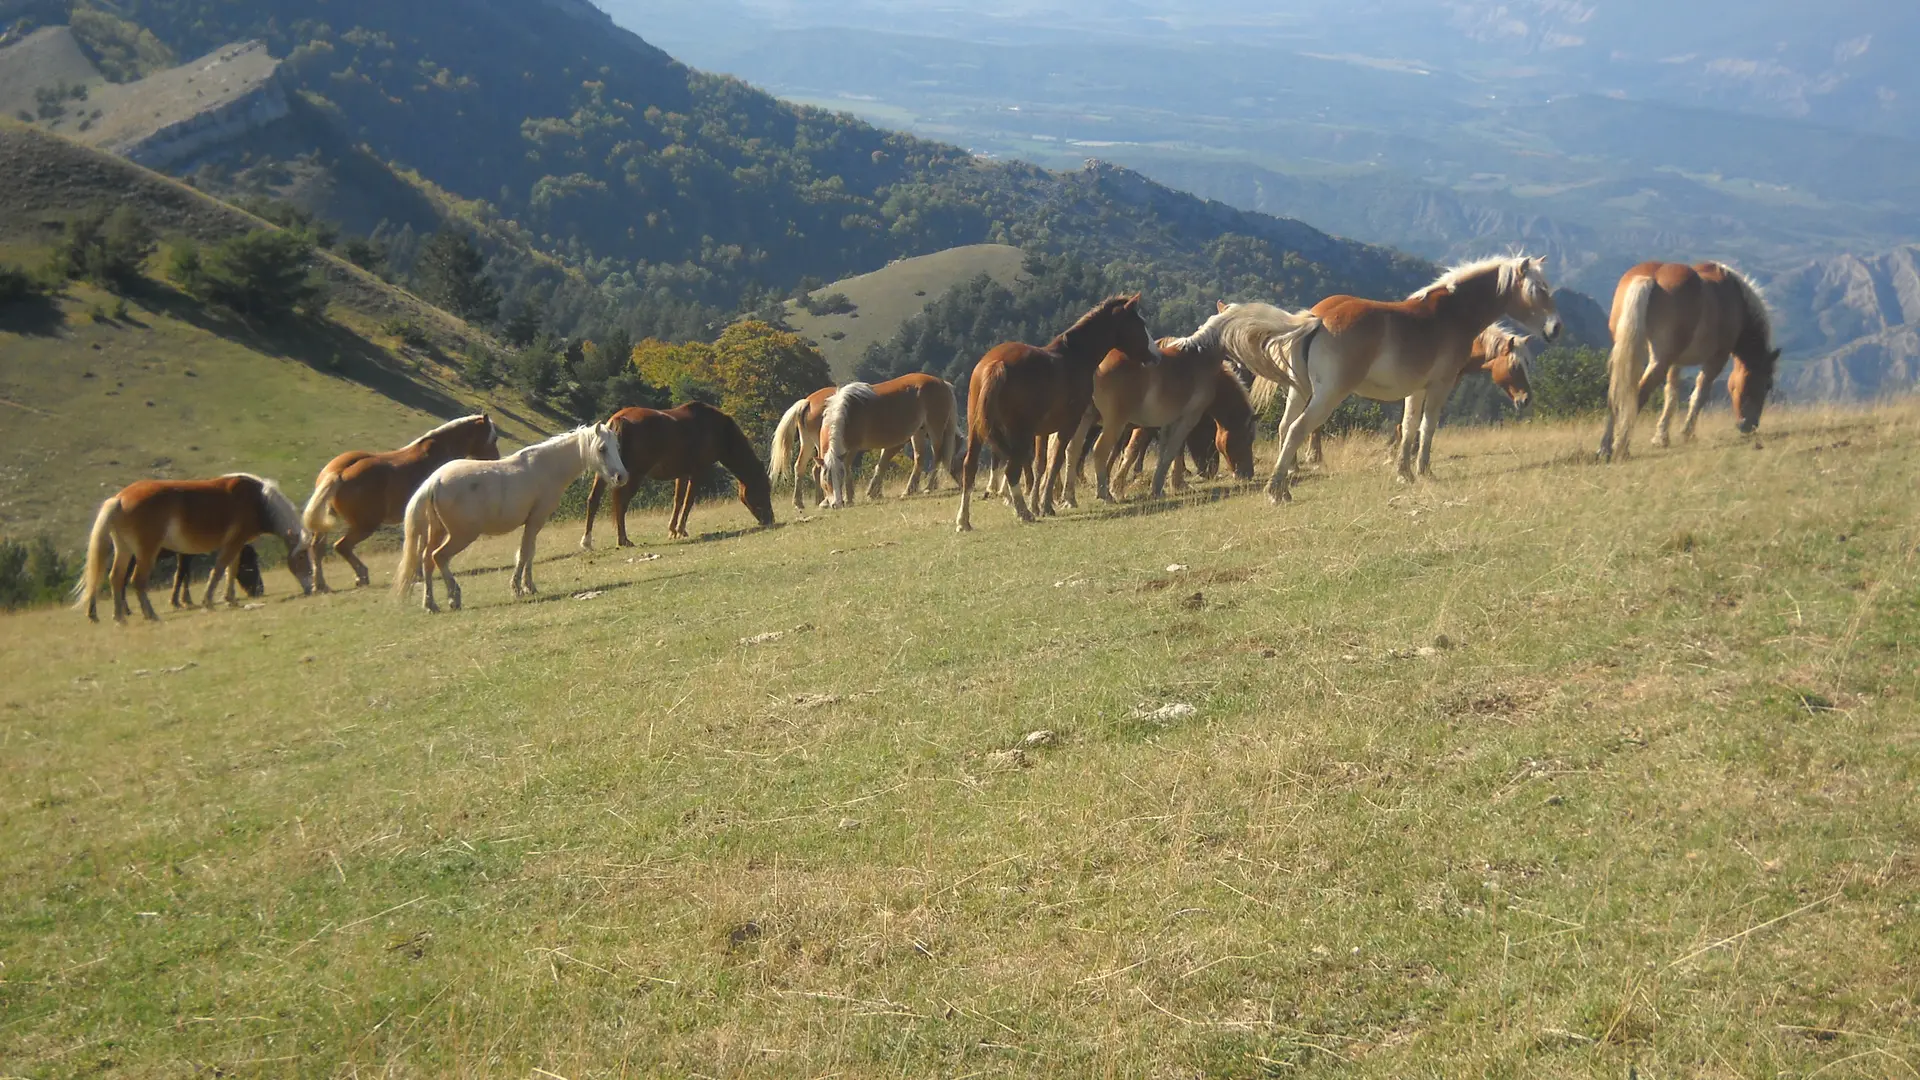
[888, 297]
[1545, 769]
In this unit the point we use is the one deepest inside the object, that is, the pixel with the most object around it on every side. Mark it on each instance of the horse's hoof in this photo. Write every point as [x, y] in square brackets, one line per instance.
[624, 542]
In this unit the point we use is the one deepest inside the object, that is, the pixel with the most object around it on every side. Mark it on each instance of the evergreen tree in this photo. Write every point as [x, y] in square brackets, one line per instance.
[451, 273]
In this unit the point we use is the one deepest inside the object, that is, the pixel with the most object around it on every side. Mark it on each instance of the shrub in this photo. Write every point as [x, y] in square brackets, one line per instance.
[17, 285]
[408, 331]
[106, 247]
[261, 273]
[481, 369]
[830, 304]
[33, 572]
[1570, 380]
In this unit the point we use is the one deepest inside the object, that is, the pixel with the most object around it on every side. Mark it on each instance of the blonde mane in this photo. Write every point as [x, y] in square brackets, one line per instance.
[1513, 270]
[282, 515]
[446, 427]
[1756, 301]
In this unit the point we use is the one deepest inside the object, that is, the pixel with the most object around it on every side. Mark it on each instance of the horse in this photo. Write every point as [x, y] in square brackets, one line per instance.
[917, 408]
[1225, 432]
[367, 490]
[1172, 395]
[246, 572]
[679, 444]
[1502, 354]
[192, 517]
[797, 439]
[1019, 392]
[466, 499]
[1669, 316]
[1385, 350]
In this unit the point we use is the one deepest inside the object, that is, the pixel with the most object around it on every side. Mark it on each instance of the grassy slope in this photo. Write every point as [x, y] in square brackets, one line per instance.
[1651, 805]
[888, 297]
[92, 404]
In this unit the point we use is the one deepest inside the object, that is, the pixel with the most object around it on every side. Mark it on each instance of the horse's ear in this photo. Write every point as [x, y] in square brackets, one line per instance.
[1513, 343]
[1219, 307]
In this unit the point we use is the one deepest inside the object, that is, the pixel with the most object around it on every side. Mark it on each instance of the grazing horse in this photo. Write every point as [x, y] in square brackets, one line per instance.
[1225, 431]
[1019, 393]
[1668, 316]
[1172, 395]
[1503, 355]
[680, 444]
[797, 440]
[367, 490]
[1385, 350]
[466, 499]
[192, 517]
[916, 408]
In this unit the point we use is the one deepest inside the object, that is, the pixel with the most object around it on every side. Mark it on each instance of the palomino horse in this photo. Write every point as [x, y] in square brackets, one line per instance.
[1172, 395]
[367, 490]
[466, 499]
[1503, 355]
[917, 408]
[192, 517]
[1019, 393]
[1385, 350]
[1225, 432]
[797, 441]
[680, 445]
[1685, 316]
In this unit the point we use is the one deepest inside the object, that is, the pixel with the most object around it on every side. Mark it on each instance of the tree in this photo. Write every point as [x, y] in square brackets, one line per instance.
[1570, 380]
[451, 273]
[108, 248]
[763, 370]
[262, 273]
[523, 329]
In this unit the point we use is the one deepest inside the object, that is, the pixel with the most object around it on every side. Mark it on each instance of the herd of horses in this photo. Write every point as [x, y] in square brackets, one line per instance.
[1031, 416]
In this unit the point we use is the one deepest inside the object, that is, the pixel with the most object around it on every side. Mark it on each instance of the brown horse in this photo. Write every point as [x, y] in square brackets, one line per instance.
[192, 517]
[796, 440]
[1019, 393]
[916, 408]
[1225, 432]
[680, 444]
[1668, 316]
[1172, 395]
[1503, 355]
[367, 490]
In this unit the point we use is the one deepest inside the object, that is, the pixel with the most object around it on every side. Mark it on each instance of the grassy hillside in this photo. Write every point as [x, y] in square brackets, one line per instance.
[1541, 770]
[94, 400]
[888, 297]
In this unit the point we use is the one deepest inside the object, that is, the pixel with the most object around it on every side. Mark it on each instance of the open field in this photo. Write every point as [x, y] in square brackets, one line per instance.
[889, 296]
[1541, 770]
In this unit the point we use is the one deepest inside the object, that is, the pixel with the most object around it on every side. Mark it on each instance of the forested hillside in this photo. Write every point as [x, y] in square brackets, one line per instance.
[666, 186]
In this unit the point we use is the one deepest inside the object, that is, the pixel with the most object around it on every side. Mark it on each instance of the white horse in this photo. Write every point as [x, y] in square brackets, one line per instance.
[466, 499]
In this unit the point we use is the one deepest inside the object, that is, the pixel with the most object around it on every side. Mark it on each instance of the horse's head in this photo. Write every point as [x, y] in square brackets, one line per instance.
[1530, 299]
[488, 447]
[1116, 324]
[1750, 381]
[605, 454]
[758, 499]
[300, 563]
[1507, 357]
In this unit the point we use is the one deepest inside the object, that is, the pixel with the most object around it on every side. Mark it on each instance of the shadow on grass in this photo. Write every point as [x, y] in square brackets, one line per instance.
[33, 316]
[323, 345]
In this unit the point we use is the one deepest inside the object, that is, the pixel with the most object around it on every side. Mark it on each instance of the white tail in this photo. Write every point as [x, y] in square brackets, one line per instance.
[319, 512]
[1628, 360]
[786, 440]
[99, 554]
[1263, 392]
[413, 544]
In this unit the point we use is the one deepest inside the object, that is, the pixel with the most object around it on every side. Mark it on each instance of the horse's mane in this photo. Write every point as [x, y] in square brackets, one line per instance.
[1246, 328]
[551, 441]
[1511, 268]
[1523, 356]
[1758, 317]
[282, 515]
[446, 427]
[1099, 311]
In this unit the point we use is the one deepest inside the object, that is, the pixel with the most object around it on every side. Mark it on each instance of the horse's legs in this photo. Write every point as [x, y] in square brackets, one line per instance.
[1313, 411]
[1663, 426]
[344, 546]
[182, 580]
[1297, 401]
[1316, 452]
[1077, 456]
[1429, 423]
[969, 466]
[523, 561]
[1104, 450]
[440, 556]
[622, 496]
[682, 507]
[1410, 434]
[1173, 445]
[880, 470]
[1019, 468]
[117, 579]
[1056, 464]
[1708, 373]
[593, 507]
[227, 564]
[317, 545]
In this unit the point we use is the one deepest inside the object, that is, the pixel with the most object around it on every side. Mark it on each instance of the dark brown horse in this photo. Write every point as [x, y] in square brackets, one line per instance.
[1669, 316]
[1020, 393]
[193, 517]
[367, 490]
[680, 444]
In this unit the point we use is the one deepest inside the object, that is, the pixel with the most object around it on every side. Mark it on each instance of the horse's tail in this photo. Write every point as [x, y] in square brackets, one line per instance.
[950, 446]
[1287, 352]
[1628, 358]
[319, 512]
[413, 543]
[99, 553]
[786, 439]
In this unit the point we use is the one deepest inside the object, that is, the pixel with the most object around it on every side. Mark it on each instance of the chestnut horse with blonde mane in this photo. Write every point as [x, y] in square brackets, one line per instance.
[366, 490]
[1020, 392]
[191, 517]
[1502, 354]
[1669, 316]
[1225, 433]
[679, 444]
[916, 408]
[796, 441]
[1171, 394]
[1412, 349]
